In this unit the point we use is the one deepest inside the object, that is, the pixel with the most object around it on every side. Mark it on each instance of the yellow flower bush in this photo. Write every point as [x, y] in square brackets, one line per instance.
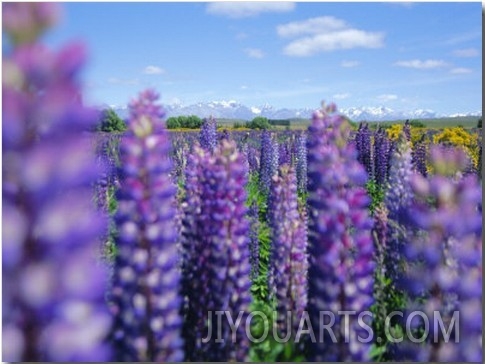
[394, 131]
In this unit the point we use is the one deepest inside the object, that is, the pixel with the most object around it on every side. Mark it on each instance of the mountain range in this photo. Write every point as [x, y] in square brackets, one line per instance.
[235, 110]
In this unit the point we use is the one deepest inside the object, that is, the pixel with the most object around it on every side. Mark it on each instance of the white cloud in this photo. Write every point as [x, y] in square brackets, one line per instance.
[464, 37]
[342, 39]
[460, 70]
[468, 52]
[324, 34]
[310, 26]
[254, 52]
[244, 87]
[404, 4]
[387, 97]
[153, 70]
[422, 65]
[121, 81]
[349, 64]
[341, 96]
[247, 9]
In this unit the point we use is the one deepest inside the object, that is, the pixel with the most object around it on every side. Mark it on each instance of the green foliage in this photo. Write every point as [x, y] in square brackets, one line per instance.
[417, 124]
[387, 299]
[479, 123]
[110, 247]
[238, 125]
[282, 122]
[111, 122]
[269, 350]
[183, 121]
[259, 122]
[259, 287]
[173, 123]
[376, 193]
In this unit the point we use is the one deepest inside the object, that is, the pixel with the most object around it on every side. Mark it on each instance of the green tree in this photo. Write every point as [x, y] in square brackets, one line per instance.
[194, 122]
[259, 122]
[111, 122]
[173, 122]
[479, 124]
[417, 124]
[184, 121]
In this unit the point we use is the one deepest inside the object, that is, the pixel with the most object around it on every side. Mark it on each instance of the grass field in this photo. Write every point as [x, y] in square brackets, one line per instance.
[436, 123]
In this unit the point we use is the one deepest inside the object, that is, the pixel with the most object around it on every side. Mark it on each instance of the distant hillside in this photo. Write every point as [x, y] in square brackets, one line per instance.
[233, 110]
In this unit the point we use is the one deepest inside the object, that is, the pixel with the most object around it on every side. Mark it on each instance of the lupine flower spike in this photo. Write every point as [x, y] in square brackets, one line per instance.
[340, 245]
[145, 290]
[216, 252]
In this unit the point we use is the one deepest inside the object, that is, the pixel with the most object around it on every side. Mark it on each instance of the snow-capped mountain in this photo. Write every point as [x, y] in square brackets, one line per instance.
[466, 114]
[235, 110]
[382, 113]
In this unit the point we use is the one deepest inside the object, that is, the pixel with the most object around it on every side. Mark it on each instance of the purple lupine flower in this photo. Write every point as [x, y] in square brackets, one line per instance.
[284, 154]
[301, 163]
[340, 245]
[180, 150]
[444, 256]
[363, 146]
[398, 196]
[194, 281]
[448, 160]
[145, 293]
[381, 156]
[268, 161]
[53, 284]
[107, 152]
[275, 155]
[288, 260]
[224, 134]
[253, 216]
[419, 156]
[217, 246]
[208, 134]
[253, 159]
[398, 190]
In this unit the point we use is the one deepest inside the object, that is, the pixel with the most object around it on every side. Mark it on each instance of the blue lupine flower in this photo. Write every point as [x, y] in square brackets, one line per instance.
[216, 252]
[208, 134]
[340, 245]
[145, 291]
[288, 261]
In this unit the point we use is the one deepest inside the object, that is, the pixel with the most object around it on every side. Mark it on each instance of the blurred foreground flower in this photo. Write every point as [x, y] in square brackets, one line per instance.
[53, 286]
[444, 253]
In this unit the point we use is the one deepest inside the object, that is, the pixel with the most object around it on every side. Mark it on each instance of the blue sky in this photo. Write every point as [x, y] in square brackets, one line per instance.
[404, 56]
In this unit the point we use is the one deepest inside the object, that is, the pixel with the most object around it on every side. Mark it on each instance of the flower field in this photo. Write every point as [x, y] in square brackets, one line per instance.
[327, 244]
